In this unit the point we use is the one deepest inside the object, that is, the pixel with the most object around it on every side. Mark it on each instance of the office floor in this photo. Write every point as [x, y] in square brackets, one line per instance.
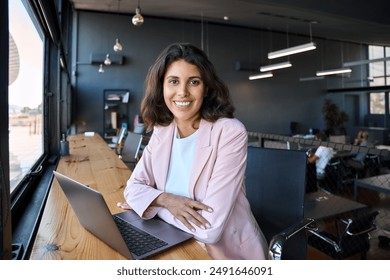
[377, 201]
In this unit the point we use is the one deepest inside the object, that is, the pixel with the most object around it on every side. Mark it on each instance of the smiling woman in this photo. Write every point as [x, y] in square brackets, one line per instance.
[202, 148]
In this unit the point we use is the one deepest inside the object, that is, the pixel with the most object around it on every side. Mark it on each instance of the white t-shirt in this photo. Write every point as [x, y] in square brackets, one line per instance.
[324, 155]
[180, 165]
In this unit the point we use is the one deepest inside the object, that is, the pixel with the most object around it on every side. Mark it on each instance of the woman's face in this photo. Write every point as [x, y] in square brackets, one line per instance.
[183, 91]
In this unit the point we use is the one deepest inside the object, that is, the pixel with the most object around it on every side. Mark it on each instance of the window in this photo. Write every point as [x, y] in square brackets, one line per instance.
[26, 79]
[387, 51]
[379, 71]
[377, 103]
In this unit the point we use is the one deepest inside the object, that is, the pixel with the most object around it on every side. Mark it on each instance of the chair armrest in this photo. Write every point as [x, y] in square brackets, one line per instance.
[335, 163]
[361, 232]
[326, 239]
[275, 247]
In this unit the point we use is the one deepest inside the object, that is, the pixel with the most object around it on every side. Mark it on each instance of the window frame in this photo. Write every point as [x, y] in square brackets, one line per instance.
[24, 210]
[385, 76]
[25, 205]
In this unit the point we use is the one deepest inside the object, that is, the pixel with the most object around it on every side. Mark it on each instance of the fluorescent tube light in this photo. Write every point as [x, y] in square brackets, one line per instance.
[334, 71]
[275, 66]
[293, 50]
[261, 76]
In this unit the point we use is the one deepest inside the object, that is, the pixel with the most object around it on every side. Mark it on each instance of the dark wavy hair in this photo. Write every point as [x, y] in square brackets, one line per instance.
[216, 103]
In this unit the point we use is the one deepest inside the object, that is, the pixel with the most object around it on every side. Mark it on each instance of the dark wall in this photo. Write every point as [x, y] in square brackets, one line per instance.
[267, 105]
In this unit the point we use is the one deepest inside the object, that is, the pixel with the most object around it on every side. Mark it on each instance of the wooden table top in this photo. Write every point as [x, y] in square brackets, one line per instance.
[61, 236]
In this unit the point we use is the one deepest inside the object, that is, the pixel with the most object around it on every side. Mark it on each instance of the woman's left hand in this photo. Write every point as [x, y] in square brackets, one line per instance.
[184, 209]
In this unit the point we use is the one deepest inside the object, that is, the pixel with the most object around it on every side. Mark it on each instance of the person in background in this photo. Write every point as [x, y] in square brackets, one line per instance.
[191, 173]
[321, 157]
[361, 140]
[357, 161]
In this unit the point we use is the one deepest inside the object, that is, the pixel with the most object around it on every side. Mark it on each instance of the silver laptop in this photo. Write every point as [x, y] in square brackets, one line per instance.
[125, 232]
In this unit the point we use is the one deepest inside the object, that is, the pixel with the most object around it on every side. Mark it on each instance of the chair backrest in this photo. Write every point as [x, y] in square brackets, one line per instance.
[275, 185]
[333, 179]
[121, 136]
[131, 147]
[118, 140]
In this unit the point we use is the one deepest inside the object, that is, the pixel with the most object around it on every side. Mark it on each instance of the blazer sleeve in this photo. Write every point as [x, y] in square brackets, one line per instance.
[141, 187]
[224, 183]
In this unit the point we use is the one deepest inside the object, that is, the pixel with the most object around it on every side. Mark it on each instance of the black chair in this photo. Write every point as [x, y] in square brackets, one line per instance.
[332, 180]
[131, 149]
[275, 187]
[370, 166]
[351, 239]
[311, 178]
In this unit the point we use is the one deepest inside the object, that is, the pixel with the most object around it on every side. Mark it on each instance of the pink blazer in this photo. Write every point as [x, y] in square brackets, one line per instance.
[217, 180]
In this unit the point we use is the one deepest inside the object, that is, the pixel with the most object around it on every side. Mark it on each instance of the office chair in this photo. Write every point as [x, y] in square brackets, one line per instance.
[332, 180]
[131, 149]
[351, 240]
[275, 182]
[117, 141]
[370, 166]
[276, 245]
[311, 178]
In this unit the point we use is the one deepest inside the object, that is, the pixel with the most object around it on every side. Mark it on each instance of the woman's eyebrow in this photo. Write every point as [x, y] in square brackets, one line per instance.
[177, 77]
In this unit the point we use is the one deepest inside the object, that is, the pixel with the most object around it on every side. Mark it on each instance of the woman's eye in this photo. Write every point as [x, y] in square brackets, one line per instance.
[194, 82]
[173, 82]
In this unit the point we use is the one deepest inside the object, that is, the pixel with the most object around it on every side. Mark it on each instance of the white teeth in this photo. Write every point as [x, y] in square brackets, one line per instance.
[182, 103]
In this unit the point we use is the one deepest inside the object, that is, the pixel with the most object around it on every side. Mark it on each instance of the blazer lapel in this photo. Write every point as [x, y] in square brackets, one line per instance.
[202, 153]
[163, 157]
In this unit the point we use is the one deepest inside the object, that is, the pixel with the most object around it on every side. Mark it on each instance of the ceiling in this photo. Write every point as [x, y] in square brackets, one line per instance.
[359, 21]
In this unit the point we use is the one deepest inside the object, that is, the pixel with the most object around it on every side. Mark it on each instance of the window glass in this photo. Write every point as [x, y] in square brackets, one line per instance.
[376, 69]
[377, 103]
[378, 81]
[375, 52]
[26, 62]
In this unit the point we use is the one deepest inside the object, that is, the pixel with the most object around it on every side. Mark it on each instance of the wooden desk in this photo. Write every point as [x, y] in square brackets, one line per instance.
[60, 235]
[321, 205]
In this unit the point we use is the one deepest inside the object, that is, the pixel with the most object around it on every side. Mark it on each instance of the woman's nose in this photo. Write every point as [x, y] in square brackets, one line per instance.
[183, 91]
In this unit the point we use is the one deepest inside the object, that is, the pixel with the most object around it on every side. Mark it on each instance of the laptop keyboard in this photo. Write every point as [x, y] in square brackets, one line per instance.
[138, 242]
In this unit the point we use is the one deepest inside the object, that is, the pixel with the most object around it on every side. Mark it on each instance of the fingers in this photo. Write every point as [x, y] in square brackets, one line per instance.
[123, 205]
[200, 206]
[185, 210]
[185, 222]
[198, 220]
[192, 217]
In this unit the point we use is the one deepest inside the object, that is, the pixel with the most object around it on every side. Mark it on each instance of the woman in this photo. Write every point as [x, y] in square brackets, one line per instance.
[192, 171]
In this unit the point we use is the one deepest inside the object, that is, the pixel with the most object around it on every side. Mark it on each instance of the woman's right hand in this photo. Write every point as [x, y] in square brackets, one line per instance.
[184, 209]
